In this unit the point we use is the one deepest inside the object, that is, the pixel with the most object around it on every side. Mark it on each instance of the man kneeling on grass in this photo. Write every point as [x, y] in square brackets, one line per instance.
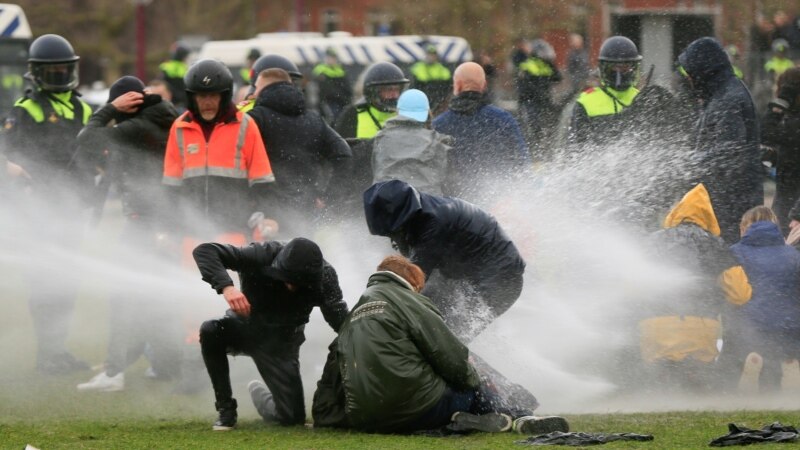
[281, 284]
[402, 369]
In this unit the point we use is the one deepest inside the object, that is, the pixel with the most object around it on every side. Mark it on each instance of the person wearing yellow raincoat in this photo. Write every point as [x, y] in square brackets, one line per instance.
[678, 338]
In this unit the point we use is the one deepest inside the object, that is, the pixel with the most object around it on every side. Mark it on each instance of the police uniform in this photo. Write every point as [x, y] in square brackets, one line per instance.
[434, 79]
[595, 113]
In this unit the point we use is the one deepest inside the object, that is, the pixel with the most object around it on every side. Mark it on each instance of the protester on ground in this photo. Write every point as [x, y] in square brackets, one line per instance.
[130, 134]
[680, 327]
[406, 149]
[489, 150]
[280, 285]
[726, 155]
[300, 143]
[769, 324]
[402, 369]
[39, 137]
[479, 269]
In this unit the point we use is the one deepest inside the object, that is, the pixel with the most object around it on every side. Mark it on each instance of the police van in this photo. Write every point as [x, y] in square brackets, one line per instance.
[354, 52]
[15, 37]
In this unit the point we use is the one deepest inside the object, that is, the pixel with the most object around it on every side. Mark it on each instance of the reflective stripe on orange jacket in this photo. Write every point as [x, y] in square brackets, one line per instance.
[234, 150]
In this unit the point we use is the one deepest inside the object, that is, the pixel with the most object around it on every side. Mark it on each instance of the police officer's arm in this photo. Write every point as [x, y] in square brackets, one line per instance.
[347, 122]
[578, 126]
[333, 307]
[13, 136]
[441, 348]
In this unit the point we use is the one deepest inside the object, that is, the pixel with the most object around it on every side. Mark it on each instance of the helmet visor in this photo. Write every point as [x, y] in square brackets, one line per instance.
[59, 77]
[620, 75]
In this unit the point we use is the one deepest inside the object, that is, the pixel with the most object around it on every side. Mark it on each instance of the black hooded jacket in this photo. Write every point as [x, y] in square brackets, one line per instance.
[298, 143]
[726, 149]
[444, 233]
[272, 304]
[136, 146]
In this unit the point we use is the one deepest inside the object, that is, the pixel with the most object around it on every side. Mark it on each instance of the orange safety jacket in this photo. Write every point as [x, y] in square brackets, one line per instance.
[218, 177]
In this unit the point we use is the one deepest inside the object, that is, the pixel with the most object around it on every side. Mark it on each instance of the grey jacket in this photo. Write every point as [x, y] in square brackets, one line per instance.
[406, 150]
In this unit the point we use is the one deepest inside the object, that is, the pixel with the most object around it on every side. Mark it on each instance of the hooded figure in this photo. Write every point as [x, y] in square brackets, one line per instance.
[682, 329]
[726, 151]
[280, 285]
[474, 258]
[299, 143]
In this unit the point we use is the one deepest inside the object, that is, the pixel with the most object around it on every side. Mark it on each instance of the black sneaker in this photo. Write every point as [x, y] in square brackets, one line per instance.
[532, 425]
[227, 415]
[489, 423]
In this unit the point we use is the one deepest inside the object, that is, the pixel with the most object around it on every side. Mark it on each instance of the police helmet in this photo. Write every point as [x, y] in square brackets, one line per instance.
[53, 64]
[732, 50]
[379, 75]
[253, 54]
[180, 51]
[543, 50]
[275, 62]
[208, 75]
[780, 45]
[619, 63]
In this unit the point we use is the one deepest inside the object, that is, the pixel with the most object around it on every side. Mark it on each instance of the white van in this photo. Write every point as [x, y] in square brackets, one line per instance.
[15, 38]
[355, 52]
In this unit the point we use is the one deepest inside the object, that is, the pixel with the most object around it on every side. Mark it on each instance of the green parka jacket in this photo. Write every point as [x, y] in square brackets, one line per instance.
[396, 356]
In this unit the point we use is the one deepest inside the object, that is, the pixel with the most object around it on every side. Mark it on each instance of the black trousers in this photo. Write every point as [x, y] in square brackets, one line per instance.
[275, 351]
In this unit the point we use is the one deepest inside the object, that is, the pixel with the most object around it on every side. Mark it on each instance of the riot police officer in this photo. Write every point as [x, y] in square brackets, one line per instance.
[173, 71]
[594, 117]
[269, 62]
[40, 135]
[383, 83]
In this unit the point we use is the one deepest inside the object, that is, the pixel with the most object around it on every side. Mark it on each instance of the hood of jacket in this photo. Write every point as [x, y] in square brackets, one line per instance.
[390, 205]
[695, 207]
[160, 113]
[707, 64]
[284, 98]
[468, 102]
[763, 234]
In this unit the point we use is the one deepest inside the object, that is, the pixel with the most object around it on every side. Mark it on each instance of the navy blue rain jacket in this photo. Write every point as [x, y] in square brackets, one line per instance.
[773, 269]
[444, 233]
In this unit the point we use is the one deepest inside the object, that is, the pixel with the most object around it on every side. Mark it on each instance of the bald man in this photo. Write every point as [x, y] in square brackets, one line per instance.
[488, 145]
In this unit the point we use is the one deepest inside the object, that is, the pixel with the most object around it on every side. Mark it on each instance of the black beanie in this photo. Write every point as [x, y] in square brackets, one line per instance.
[123, 86]
[298, 262]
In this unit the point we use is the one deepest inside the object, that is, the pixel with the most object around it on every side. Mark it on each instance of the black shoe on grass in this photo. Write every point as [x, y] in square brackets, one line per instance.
[227, 415]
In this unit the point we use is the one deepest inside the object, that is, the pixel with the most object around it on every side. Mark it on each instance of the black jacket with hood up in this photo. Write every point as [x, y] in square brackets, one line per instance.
[726, 150]
[444, 233]
[298, 142]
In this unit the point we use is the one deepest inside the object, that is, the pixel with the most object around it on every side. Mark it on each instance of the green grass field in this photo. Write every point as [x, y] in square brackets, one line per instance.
[49, 413]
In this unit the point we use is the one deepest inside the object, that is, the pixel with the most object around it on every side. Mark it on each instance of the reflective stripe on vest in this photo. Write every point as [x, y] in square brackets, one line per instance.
[536, 67]
[63, 108]
[597, 103]
[246, 106]
[174, 69]
[425, 72]
[329, 71]
[367, 128]
[235, 172]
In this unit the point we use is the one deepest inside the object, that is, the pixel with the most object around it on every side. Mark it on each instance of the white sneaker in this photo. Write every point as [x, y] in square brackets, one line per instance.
[104, 383]
[751, 372]
[790, 381]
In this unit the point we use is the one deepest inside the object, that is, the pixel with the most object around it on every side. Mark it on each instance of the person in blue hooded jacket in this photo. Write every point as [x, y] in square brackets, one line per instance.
[474, 271]
[769, 324]
[726, 150]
